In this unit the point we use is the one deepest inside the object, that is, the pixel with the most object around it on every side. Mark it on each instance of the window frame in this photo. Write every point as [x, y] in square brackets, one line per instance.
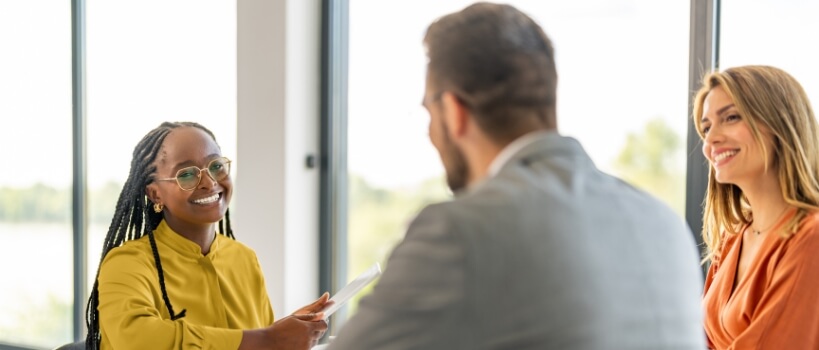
[333, 150]
[79, 190]
[79, 198]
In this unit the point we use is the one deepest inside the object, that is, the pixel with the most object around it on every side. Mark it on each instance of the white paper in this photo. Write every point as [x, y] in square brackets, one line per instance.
[352, 288]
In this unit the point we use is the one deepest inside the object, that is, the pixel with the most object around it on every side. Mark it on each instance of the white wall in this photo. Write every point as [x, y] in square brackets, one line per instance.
[276, 205]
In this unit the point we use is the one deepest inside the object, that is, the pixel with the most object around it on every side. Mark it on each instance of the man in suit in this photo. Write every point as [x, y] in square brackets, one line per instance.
[539, 249]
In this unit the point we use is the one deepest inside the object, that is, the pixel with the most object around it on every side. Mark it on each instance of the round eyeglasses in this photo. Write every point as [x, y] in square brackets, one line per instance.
[190, 177]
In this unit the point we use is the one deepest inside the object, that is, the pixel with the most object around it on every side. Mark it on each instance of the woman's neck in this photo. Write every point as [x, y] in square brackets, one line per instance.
[766, 201]
[203, 235]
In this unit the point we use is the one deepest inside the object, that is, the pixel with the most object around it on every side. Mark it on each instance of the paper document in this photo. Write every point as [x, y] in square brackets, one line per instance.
[352, 288]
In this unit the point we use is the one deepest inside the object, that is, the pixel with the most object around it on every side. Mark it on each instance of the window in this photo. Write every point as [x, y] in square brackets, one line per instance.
[138, 75]
[35, 187]
[622, 92]
[772, 33]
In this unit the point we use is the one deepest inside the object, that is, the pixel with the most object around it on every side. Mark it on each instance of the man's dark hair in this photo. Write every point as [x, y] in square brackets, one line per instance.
[500, 65]
[134, 217]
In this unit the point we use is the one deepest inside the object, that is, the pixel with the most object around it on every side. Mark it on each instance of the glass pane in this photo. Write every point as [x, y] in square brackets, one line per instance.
[36, 296]
[769, 32]
[622, 92]
[149, 62]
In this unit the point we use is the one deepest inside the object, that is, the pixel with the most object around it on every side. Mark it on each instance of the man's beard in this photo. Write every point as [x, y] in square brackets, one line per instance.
[457, 171]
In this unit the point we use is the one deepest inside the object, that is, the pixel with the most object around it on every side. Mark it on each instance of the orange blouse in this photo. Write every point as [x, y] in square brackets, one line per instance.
[776, 304]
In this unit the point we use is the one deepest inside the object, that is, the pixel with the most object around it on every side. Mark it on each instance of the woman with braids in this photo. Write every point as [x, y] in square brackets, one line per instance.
[167, 279]
[761, 219]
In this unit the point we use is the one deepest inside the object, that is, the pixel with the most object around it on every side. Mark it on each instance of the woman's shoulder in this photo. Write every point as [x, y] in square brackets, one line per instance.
[130, 254]
[233, 246]
[803, 244]
[135, 246]
[810, 221]
[805, 240]
[808, 227]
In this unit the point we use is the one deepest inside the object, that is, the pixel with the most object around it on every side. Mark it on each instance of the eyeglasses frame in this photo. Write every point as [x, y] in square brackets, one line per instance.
[205, 169]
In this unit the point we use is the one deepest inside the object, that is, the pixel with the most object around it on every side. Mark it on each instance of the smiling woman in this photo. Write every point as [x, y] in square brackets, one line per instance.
[191, 210]
[165, 270]
[761, 217]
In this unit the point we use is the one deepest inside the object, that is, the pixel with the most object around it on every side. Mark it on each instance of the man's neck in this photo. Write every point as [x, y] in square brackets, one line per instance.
[507, 152]
[480, 163]
[487, 158]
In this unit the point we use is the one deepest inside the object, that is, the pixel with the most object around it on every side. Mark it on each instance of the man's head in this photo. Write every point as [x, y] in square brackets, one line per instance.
[490, 77]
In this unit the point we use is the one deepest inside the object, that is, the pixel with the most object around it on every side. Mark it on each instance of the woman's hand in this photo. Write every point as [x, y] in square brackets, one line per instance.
[299, 331]
[316, 307]
[296, 332]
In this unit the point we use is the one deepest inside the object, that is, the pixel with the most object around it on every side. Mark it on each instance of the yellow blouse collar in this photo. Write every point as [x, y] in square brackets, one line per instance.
[167, 236]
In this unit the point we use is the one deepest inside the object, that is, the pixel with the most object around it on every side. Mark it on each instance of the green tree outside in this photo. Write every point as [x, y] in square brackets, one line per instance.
[653, 161]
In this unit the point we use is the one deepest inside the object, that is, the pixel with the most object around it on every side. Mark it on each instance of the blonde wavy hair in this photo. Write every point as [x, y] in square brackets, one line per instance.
[765, 97]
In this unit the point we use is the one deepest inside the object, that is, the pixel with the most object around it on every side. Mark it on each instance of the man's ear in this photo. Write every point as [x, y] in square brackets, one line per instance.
[456, 115]
[153, 193]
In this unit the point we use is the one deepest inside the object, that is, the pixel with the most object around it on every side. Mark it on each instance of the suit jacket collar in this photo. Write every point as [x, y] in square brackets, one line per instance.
[541, 147]
[508, 152]
[546, 145]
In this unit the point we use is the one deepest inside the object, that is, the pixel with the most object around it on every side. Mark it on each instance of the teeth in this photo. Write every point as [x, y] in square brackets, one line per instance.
[207, 200]
[724, 155]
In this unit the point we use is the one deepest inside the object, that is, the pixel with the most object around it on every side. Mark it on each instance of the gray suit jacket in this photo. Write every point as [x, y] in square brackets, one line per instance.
[550, 253]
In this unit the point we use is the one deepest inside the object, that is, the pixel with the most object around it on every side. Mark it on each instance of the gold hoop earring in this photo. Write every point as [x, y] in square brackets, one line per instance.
[158, 207]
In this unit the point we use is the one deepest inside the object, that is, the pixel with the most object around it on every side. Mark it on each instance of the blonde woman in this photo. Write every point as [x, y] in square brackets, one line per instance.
[760, 137]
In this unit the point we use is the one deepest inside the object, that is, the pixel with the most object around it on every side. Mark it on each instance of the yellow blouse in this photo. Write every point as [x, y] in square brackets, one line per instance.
[223, 292]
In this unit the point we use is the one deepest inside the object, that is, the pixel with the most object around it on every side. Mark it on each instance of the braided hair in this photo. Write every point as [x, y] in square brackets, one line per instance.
[135, 218]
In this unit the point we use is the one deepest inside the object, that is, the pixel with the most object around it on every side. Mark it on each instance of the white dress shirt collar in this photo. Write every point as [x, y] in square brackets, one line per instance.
[512, 148]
